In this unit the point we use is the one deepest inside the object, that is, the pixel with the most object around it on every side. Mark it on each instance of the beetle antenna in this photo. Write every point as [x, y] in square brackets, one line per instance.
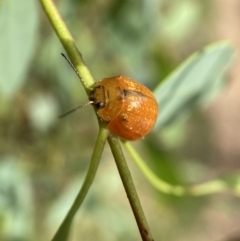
[70, 63]
[74, 109]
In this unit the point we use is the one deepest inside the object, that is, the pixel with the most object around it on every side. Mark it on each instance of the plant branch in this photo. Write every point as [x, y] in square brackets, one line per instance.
[68, 42]
[152, 177]
[130, 188]
[210, 187]
[63, 230]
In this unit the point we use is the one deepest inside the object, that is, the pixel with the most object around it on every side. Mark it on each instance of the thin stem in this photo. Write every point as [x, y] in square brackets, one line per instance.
[63, 230]
[151, 176]
[68, 42]
[130, 188]
[213, 186]
[206, 188]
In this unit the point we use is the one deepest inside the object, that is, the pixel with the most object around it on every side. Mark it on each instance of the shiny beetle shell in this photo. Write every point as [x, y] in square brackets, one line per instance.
[129, 108]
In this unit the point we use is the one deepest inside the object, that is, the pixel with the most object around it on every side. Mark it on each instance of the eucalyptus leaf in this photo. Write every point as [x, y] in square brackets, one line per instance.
[18, 28]
[16, 204]
[194, 83]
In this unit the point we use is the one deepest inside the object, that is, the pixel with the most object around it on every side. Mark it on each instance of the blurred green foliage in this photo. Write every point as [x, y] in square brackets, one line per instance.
[43, 160]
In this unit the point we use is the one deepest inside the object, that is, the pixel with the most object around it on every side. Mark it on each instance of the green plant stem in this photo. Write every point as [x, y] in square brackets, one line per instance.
[206, 188]
[130, 188]
[210, 187]
[152, 177]
[63, 230]
[68, 42]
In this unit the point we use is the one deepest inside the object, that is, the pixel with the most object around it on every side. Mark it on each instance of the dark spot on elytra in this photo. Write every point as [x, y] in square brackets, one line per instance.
[132, 92]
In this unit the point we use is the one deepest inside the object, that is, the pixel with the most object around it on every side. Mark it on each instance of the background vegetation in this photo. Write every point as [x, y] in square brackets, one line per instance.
[43, 160]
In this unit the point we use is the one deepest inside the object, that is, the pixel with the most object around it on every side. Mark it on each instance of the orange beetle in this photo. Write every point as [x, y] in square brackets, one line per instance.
[130, 108]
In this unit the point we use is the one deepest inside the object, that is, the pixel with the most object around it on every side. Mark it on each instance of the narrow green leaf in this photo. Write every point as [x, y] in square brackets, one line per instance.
[16, 200]
[195, 82]
[18, 28]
